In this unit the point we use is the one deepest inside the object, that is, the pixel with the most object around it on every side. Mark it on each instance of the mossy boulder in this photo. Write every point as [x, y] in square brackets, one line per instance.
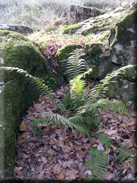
[74, 13]
[63, 55]
[125, 85]
[18, 92]
[17, 51]
[123, 40]
[72, 28]
[104, 22]
[100, 65]
[17, 28]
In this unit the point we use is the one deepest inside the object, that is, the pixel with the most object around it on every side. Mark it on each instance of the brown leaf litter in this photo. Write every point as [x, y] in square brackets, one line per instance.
[59, 153]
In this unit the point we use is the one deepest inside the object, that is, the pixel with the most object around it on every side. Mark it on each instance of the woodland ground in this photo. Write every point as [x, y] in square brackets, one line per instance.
[59, 153]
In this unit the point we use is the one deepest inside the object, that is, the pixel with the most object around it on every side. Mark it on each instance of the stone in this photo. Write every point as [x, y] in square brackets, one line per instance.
[17, 91]
[18, 51]
[123, 40]
[16, 28]
[73, 13]
[124, 86]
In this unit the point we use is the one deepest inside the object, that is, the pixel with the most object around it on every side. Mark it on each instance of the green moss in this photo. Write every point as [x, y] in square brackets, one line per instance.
[95, 27]
[64, 52]
[119, 10]
[11, 115]
[93, 48]
[121, 34]
[17, 96]
[72, 28]
[19, 52]
[63, 55]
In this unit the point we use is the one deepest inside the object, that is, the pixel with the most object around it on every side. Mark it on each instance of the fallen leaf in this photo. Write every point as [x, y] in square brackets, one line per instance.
[52, 152]
[134, 113]
[100, 146]
[62, 174]
[56, 169]
[65, 149]
[105, 54]
[110, 132]
[71, 173]
[41, 175]
[23, 127]
[88, 172]
[20, 174]
[31, 109]
[44, 160]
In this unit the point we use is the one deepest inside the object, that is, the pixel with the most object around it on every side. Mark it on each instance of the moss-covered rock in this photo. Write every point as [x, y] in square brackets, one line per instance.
[18, 94]
[17, 28]
[63, 55]
[18, 51]
[125, 85]
[74, 13]
[100, 65]
[72, 28]
[123, 40]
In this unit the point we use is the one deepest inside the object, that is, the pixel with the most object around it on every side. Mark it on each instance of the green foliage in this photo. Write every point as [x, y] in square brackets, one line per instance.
[97, 165]
[97, 92]
[74, 65]
[104, 139]
[77, 85]
[85, 120]
[68, 103]
[51, 118]
[88, 120]
[124, 153]
[38, 83]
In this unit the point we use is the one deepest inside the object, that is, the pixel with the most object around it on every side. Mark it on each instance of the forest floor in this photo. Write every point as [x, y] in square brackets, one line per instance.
[59, 153]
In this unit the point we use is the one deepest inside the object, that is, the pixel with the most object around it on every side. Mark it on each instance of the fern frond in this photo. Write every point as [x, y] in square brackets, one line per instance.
[97, 165]
[105, 140]
[124, 153]
[62, 107]
[74, 65]
[101, 88]
[38, 83]
[78, 85]
[51, 118]
[86, 120]
[116, 106]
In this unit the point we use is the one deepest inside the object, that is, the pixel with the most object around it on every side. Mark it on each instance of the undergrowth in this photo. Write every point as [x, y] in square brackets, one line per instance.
[85, 109]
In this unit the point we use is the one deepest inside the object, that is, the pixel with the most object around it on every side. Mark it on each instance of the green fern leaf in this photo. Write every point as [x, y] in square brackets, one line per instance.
[74, 66]
[51, 118]
[105, 140]
[38, 83]
[97, 165]
[124, 153]
[78, 85]
[86, 120]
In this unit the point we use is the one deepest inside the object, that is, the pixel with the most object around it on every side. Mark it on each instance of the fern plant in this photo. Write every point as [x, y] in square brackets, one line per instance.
[84, 120]
[51, 118]
[93, 100]
[97, 165]
[74, 65]
[124, 153]
[38, 83]
[77, 86]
